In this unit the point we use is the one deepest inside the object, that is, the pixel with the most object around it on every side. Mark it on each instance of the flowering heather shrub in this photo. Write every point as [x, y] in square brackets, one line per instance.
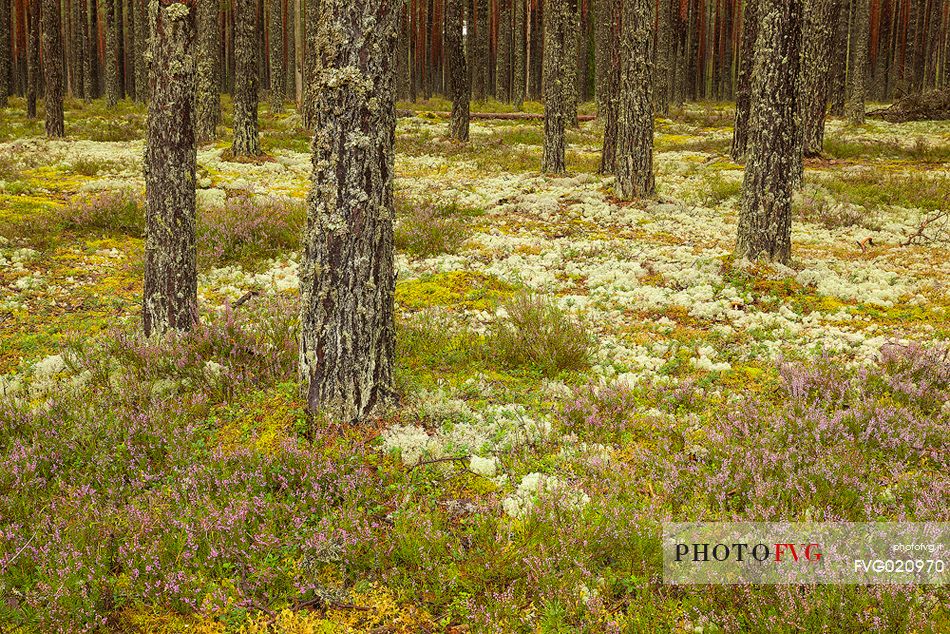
[425, 230]
[840, 446]
[115, 210]
[254, 346]
[250, 227]
[535, 332]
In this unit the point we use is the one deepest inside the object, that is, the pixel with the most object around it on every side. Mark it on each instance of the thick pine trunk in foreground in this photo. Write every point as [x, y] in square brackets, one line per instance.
[855, 106]
[347, 275]
[821, 20]
[459, 80]
[634, 166]
[750, 31]
[53, 70]
[246, 139]
[208, 100]
[766, 213]
[171, 276]
[560, 24]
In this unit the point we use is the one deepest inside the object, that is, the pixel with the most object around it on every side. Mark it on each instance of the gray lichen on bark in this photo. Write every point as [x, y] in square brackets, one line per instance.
[821, 20]
[750, 31]
[208, 99]
[311, 60]
[170, 298]
[560, 31]
[276, 42]
[634, 163]
[53, 70]
[764, 230]
[459, 79]
[609, 27]
[111, 55]
[246, 138]
[348, 275]
[855, 106]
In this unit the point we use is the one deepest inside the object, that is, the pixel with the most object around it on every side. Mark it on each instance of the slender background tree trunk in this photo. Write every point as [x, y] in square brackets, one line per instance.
[246, 138]
[53, 70]
[560, 25]
[458, 71]
[635, 122]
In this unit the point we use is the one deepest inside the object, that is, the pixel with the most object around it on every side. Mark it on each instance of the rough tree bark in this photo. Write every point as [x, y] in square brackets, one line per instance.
[208, 100]
[766, 211]
[246, 139]
[112, 55]
[312, 62]
[479, 48]
[855, 106]
[610, 22]
[519, 56]
[664, 48]
[6, 56]
[634, 166]
[750, 31]
[348, 276]
[276, 42]
[170, 299]
[503, 56]
[87, 52]
[839, 65]
[53, 68]
[141, 43]
[290, 85]
[560, 23]
[33, 59]
[821, 19]
[459, 79]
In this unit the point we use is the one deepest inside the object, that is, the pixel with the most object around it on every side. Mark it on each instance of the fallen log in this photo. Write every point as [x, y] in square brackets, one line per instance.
[500, 116]
[931, 106]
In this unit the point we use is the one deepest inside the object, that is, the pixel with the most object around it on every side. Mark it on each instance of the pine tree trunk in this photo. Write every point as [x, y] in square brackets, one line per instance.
[246, 140]
[131, 49]
[403, 67]
[664, 47]
[519, 55]
[141, 42]
[766, 212]
[6, 56]
[33, 59]
[348, 275]
[610, 25]
[290, 84]
[839, 66]
[479, 49]
[560, 23]
[460, 81]
[275, 40]
[750, 31]
[112, 55]
[503, 58]
[856, 86]
[635, 121]
[208, 100]
[53, 68]
[171, 275]
[312, 65]
[570, 68]
[821, 19]
[89, 51]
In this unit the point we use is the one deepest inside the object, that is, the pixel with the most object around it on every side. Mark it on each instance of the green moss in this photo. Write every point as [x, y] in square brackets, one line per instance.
[457, 289]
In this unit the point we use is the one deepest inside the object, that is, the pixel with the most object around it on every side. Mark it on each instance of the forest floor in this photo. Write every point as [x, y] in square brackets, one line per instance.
[582, 369]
